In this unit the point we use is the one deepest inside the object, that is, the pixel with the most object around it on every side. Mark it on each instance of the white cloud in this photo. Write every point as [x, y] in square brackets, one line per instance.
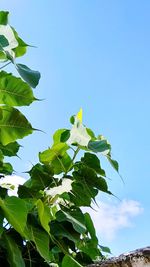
[111, 217]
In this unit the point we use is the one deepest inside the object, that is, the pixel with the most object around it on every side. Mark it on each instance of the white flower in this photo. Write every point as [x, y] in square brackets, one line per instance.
[8, 33]
[58, 190]
[12, 183]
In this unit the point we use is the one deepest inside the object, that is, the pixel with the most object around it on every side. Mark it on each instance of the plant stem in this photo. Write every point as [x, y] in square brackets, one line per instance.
[5, 65]
[74, 156]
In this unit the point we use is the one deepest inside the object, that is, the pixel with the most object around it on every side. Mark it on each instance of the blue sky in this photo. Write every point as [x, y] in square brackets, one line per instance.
[94, 55]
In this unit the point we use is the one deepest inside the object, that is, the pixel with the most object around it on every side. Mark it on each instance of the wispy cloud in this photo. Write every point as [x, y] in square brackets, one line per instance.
[110, 217]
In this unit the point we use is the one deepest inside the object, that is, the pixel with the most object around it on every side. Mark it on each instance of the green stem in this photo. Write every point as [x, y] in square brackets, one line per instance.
[74, 156]
[5, 65]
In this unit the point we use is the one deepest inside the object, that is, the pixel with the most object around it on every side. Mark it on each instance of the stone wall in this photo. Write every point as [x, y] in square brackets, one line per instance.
[137, 258]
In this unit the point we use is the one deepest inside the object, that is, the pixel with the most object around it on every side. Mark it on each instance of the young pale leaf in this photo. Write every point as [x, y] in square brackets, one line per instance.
[4, 17]
[99, 146]
[13, 125]
[15, 211]
[69, 261]
[44, 215]
[8, 34]
[32, 77]
[14, 256]
[14, 91]
[78, 134]
[53, 153]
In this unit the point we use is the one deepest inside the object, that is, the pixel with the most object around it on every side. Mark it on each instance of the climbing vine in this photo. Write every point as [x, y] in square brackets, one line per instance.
[44, 225]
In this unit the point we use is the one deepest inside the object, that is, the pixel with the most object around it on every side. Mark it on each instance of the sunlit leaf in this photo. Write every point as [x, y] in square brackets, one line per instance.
[13, 125]
[44, 215]
[14, 92]
[53, 153]
[21, 49]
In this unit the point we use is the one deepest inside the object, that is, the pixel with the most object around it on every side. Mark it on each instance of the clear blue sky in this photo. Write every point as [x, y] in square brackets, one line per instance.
[95, 55]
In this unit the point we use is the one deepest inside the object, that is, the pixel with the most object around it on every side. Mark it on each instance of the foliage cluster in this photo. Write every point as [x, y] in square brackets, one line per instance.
[44, 225]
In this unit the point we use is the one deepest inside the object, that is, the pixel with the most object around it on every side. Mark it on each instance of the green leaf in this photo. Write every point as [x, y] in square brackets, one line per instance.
[76, 217]
[30, 76]
[61, 163]
[26, 192]
[72, 119]
[21, 49]
[4, 17]
[90, 248]
[90, 179]
[113, 163]
[99, 146]
[10, 150]
[93, 162]
[69, 261]
[6, 168]
[91, 133]
[105, 249]
[65, 136]
[15, 211]
[14, 256]
[41, 177]
[3, 41]
[57, 135]
[44, 215]
[14, 92]
[53, 153]
[81, 194]
[40, 239]
[60, 230]
[90, 227]
[13, 125]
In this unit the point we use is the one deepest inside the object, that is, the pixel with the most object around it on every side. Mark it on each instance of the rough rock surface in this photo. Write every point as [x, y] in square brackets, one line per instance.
[136, 258]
